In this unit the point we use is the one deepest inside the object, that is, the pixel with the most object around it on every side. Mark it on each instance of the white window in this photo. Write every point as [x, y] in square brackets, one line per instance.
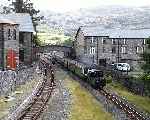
[113, 41]
[103, 40]
[123, 49]
[92, 50]
[124, 41]
[144, 41]
[142, 49]
[92, 41]
[137, 49]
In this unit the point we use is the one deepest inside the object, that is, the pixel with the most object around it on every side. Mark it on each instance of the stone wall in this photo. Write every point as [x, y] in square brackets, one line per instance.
[27, 47]
[10, 36]
[79, 46]
[10, 79]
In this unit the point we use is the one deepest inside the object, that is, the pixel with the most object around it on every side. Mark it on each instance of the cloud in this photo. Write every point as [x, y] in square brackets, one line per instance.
[67, 5]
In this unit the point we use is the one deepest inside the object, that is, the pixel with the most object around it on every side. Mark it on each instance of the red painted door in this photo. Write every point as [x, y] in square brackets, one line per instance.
[11, 60]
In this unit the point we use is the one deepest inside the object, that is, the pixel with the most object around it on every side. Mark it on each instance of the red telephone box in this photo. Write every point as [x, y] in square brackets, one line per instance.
[11, 61]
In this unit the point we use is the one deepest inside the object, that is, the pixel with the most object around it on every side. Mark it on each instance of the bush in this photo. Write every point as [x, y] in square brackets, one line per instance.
[108, 79]
[146, 81]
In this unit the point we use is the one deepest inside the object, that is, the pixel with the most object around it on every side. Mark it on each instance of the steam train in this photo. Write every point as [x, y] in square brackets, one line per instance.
[90, 74]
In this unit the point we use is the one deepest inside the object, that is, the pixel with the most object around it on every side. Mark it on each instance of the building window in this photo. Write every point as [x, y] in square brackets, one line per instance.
[139, 49]
[14, 34]
[113, 41]
[104, 50]
[92, 50]
[123, 50]
[113, 49]
[124, 41]
[9, 34]
[144, 41]
[21, 55]
[21, 38]
[143, 49]
[85, 50]
[103, 40]
[92, 40]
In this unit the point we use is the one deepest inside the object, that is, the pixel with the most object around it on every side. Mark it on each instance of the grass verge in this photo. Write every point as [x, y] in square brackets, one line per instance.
[141, 102]
[84, 105]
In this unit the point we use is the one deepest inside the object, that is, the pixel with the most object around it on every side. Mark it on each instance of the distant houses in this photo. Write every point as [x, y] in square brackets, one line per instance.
[17, 34]
[94, 45]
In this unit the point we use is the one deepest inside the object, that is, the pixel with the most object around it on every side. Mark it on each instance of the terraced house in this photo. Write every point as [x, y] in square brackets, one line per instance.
[9, 43]
[94, 45]
[25, 35]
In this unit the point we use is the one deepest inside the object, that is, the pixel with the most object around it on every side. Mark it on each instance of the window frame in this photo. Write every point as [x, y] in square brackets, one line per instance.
[9, 34]
[123, 50]
[113, 41]
[124, 41]
[92, 50]
[104, 39]
[114, 50]
[144, 41]
[14, 34]
[92, 39]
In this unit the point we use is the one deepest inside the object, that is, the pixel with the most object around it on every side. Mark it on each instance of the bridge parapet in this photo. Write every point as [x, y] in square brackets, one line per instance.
[67, 50]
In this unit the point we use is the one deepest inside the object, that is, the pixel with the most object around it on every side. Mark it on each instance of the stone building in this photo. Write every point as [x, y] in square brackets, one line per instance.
[9, 40]
[26, 31]
[94, 45]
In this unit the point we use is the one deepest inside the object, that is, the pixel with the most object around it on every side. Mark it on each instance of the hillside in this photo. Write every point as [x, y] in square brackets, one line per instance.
[106, 16]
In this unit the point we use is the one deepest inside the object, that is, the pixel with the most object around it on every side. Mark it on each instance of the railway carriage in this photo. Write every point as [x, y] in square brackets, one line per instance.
[91, 75]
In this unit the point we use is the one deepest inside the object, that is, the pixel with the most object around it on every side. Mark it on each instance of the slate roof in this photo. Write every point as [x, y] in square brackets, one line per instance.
[23, 19]
[115, 33]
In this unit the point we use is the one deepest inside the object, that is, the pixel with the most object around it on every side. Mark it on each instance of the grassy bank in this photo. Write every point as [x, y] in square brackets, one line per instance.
[142, 103]
[84, 105]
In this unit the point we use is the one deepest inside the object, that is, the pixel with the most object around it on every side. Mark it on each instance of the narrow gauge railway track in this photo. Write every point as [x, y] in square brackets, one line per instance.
[131, 112]
[35, 108]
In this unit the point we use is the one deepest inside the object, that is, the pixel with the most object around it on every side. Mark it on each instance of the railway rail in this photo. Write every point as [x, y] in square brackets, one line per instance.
[132, 113]
[35, 109]
[37, 103]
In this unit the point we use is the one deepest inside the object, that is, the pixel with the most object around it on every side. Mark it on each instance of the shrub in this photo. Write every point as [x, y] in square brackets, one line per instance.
[108, 79]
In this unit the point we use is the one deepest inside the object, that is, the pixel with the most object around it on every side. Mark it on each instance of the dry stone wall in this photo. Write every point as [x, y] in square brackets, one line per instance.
[10, 79]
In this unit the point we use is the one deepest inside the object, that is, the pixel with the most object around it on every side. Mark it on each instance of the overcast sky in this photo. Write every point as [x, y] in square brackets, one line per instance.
[67, 5]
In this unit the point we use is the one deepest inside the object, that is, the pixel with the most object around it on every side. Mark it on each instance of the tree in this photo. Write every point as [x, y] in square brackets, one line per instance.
[146, 67]
[26, 6]
[68, 42]
[6, 10]
[146, 57]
